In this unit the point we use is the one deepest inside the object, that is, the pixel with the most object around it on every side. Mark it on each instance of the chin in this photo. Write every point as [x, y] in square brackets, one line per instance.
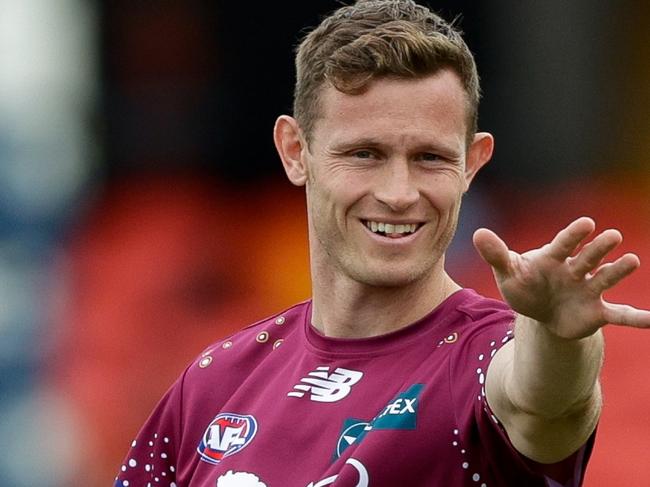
[390, 278]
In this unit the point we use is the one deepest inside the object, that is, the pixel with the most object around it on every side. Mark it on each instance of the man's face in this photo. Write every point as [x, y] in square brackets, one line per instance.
[386, 171]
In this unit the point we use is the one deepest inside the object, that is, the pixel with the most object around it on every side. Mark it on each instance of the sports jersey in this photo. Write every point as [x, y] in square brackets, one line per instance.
[280, 405]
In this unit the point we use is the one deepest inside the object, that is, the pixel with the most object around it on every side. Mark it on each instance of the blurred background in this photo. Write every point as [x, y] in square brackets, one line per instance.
[144, 212]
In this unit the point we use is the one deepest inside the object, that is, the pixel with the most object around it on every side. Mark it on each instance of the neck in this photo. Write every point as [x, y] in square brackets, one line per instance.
[345, 308]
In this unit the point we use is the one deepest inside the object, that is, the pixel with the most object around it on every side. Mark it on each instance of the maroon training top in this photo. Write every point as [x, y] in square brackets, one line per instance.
[279, 405]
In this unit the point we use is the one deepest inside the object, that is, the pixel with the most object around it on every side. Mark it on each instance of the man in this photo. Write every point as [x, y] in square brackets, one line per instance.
[392, 373]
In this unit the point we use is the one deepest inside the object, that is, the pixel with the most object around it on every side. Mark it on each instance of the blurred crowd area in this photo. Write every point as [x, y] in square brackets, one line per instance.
[144, 213]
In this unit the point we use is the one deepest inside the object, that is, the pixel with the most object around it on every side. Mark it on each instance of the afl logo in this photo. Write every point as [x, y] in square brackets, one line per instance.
[227, 434]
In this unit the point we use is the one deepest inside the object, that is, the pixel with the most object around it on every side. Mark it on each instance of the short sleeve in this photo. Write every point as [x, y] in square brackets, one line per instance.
[482, 431]
[151, 459]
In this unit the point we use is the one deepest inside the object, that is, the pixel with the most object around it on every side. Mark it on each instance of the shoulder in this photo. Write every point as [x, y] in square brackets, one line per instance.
[479, 308]
[488, 324]
[276, 327]
[483, 316]
[237, 354]
[467, 315]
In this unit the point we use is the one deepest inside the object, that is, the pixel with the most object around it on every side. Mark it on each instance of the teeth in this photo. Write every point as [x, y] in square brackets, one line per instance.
[391, 228]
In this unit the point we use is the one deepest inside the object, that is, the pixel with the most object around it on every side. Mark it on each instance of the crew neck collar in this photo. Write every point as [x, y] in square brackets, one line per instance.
[437, 319]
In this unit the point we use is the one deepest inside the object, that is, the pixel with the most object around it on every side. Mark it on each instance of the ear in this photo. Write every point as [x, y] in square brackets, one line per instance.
[290, 144]
[479, 153]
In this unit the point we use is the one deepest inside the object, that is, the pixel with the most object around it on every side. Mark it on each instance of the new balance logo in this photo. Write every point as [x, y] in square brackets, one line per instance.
[326, 387]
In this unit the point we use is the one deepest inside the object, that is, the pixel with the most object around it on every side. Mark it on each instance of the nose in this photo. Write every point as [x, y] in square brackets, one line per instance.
[396, 187]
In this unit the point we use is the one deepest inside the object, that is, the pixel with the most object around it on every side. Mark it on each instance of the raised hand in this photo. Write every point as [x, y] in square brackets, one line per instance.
[559, 287]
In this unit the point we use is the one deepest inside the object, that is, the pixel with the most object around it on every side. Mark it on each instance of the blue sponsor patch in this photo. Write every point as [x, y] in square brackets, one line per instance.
[401, 412]
[398, 414]
[353, 431]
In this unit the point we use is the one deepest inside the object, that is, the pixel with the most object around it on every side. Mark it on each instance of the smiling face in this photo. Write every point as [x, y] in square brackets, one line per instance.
[385, 174]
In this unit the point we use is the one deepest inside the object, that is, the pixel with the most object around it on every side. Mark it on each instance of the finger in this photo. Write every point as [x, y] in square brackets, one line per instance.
[568, 239]
[611, 274]
[625, 315]
[592, 254]
[492, 249]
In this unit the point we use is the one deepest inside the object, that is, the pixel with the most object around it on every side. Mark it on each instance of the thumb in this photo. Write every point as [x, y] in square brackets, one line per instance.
[492, 249]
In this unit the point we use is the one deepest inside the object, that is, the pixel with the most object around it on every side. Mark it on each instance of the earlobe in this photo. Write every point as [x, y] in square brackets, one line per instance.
[478, 155]
[290, 144]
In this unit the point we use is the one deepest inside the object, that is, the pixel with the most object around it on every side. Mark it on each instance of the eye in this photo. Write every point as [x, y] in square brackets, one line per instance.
[430, 157]
[363, 154]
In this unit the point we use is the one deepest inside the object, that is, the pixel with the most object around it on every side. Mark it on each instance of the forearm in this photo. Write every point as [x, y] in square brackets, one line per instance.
[551, 376]
[543, 386]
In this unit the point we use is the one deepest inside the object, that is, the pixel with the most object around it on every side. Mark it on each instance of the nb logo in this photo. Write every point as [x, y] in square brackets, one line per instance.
[326, 387]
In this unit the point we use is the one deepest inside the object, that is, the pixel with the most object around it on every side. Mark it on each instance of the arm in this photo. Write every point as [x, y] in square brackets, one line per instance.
[543, 386]
[154, 453]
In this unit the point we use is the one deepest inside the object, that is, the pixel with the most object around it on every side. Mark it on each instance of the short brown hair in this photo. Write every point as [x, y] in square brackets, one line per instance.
[379, 38]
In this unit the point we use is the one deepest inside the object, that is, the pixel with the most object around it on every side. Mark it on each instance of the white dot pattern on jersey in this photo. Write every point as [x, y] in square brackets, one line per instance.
[465, 464]
[480, 375]
[157, 469]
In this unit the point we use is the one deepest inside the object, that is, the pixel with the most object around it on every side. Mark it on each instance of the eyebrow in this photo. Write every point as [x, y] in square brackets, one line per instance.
[444, 150]
[363, 142]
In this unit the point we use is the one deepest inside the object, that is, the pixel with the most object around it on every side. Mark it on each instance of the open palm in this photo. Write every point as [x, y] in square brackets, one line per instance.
[560, 286]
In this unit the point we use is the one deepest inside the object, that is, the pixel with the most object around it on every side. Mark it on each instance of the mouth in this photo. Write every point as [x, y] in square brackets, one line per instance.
[392, 230]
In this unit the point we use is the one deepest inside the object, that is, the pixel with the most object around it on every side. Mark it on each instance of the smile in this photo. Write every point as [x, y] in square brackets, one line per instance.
[391, 229]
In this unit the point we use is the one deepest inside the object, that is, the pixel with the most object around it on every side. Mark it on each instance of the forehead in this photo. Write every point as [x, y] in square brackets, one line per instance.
[432, 106]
